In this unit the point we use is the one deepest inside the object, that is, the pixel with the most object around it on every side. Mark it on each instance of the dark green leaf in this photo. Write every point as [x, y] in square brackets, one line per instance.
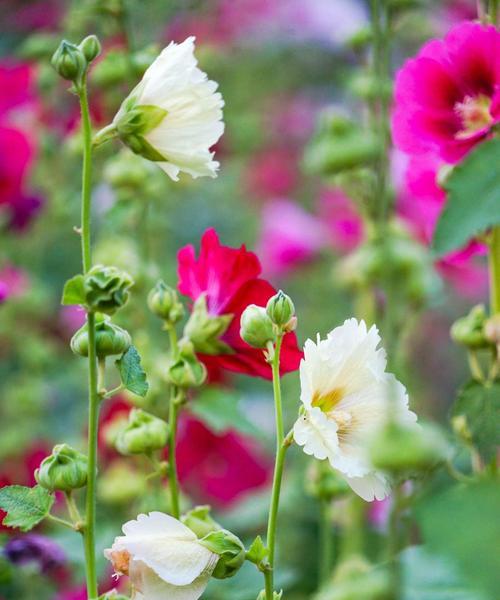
[74, 292]
[131, 372]
[25, 506]
[219, 409]
[473, 203]
[480, 405]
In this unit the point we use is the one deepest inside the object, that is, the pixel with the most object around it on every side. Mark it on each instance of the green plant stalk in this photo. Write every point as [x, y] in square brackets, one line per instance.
[281, 448]
[94, 399]
[173, 414]
[394, 543]
[325, 541]
[494, 260]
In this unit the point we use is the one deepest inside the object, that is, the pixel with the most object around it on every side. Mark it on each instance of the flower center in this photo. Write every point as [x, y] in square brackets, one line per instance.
[474, 112]
[120, 560]
[327, 401]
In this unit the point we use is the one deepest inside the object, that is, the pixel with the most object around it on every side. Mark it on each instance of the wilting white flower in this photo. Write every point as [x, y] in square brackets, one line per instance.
[346, 394]
[163, 559]
[174, 115]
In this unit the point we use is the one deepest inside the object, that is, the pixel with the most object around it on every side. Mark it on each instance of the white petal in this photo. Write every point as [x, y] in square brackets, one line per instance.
[316, 433]
[370, 487]
[157, 524]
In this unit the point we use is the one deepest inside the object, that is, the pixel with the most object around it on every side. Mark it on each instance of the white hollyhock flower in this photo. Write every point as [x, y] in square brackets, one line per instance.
[174, 115]
[163, 559]
[345, 392]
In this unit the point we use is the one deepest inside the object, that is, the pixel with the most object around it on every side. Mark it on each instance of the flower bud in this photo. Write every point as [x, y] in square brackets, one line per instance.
[198, 519]
[109, 339]
[106, 289]
[91, 47]
[256, 328]
[492, 330]
[280, 309]
[325, 483]
[69, 61]
[187, 371]
[143, 434]
[230, 549]
[470, 330]
[121, 484]
[64, 470]
[163, 301]
[205, 330]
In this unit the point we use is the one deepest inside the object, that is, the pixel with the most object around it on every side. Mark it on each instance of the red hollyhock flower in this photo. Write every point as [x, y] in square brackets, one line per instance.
[218, 468]
[229, 279]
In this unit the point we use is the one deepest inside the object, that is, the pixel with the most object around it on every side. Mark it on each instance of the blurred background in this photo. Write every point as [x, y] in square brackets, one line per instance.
[291, 73]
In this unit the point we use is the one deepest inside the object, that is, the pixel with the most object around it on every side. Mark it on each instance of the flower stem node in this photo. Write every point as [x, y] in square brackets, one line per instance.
[163, 301]
[64, 470]
[280, 309]
[204, 330]
[230, 549]
[143, 434]
[256, 328]
[109, 339]
[70, 62]
[199, 520]
[90, 47]
[470, 331]
[187, 371]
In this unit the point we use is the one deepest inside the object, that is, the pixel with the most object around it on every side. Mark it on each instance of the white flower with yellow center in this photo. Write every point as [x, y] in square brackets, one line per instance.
[174, 115]
[346, 394]
[163, 559]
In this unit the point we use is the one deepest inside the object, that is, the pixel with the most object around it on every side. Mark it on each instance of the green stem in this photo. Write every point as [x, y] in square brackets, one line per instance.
[326, 541]
[173, 414]
[281, 448]
[393, 544]
[494, 260]
[59, 521]
[94, 399]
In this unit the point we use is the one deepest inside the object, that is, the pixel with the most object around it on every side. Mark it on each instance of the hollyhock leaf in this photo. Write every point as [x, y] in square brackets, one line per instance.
[219, 409]
[480, 405]
[131, 372]
[74, 291]
[25, 506]
[473, 199]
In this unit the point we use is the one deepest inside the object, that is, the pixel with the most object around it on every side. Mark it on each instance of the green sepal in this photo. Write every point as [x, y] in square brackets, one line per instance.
[205, 330]
[140, 120]
[257, 552]
[25, 506]
[74, 291]
[230, 549]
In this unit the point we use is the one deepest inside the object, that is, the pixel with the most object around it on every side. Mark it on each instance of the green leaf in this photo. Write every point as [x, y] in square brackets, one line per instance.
[131, 372]
[480, 405]
[257, 551]
[74, 292]
[473, 203]
[25, 506]
[219, 409]
[462, 524]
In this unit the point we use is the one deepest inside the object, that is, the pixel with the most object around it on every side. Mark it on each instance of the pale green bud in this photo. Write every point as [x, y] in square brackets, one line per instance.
[69, 61]
[280, 309]
[106, 289]
[256, 328]
[199, 520]
[163, 301]
[91, 47]
[109, 339]
[470, 330]
[64, 470]
[205, 330]
[230, 549]
[143, 434]
[187, 371]
[121, 484]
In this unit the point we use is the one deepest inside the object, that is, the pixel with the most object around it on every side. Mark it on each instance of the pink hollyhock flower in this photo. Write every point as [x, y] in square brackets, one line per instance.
[13, 282]
[17, 78]
[272, 172]
[219, 468]
[345, 226]
[447, 99]
[289, 236]
[229, 278]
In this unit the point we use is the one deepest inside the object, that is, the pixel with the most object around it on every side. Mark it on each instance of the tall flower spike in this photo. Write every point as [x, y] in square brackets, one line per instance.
[345, 392]
[174, 116]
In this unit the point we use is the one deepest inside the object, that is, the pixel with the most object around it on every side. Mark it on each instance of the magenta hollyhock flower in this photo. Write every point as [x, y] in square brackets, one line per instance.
[230, 280]
[344, 224]
[290, 236]
[220, 468]
[17, 78]
[447, 98]
[273, 172]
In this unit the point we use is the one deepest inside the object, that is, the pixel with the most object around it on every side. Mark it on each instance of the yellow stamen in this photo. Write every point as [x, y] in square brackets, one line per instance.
[327, 401]
[474, 113]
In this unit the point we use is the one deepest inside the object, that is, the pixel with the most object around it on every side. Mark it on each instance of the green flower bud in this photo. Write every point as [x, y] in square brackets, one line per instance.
[69, 61]
[163, 301]
[470, 330]
[230, 549]
[91, 47]
[325, 483]
[205, 330]
[256, 328]
[187, 371]
[143, 434]
[109, 339]
[111, 70]
[64, 470]
[400, 448]
[38, 46]
[106, 289]
[198, 519]
[280, 309]
[121, 484]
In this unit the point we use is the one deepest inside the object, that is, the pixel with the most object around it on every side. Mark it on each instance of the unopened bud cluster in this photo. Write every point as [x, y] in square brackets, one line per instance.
[260, 326]
[109, 339]
[163, 301]
[187, 371]
[64, 470]
[71, 61]
[143, 434]
[474, 330]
